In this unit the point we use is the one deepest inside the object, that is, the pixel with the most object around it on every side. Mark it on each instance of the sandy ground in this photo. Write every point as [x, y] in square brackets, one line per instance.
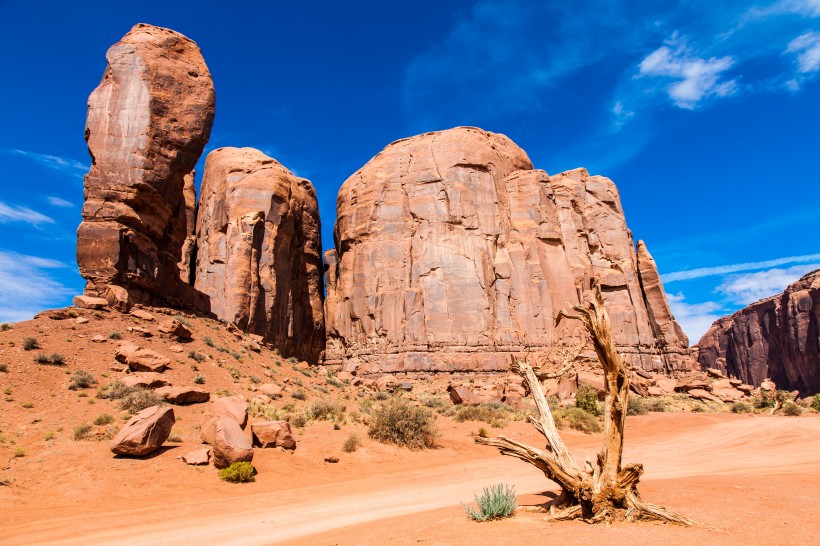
[746, 479]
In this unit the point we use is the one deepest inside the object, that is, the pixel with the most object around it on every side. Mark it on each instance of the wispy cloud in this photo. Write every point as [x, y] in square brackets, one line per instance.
[694, 78]
[806, 51]
[69, 166]
[747, 288]
[26, 287]
[12, 213]
[59, 202]
[694, 318]
[734, 268]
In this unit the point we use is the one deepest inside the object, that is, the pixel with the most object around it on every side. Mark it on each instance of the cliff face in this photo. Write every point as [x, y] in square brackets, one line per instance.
[778, 338]
[259, 250]
[147, 124]
[452, 252]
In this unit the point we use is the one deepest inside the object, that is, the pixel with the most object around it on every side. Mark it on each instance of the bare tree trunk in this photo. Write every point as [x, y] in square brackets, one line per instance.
[603, 491]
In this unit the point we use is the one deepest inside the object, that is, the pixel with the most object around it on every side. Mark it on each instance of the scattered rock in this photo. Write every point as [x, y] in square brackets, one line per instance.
[715, 373]
[184, 395]
[768, 385]
[173, 327]
[198, 457]
[146, 380]
[230, 444]
[145, 432]
[702, 394]
[274, 391]
[99, 339]
[332, 460]
[232, 407]
[144, 315]
[463, 396]
[273, 434]
[176, 349]
[80, 320]
[140, 331]
[746, 389]
[142, 360]
[90, 302]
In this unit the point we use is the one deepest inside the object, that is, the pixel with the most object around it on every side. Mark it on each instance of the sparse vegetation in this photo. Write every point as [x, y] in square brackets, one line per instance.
[587, 399]
[82, 431]
[299, 395]
[5, 327]
[199, 357]
[815, 402]
[326, 410]
[49, 435]
[115, 336]
[636, 406]
[28, 405]
[73, 314]
[55, 359]
[241, 472]
[577, 419]
[400, 422]
[19, 452]
[656, 405]
[298, 420]
[208, 341]
[4, 368]
[30, 343]
[81, 380]
[199, 379]
[792, 409]
[763, 400]
[741, 407]
[293, 360]
[137, 399]
[352, 443]
[183, 320]
[104, 419]
[487, 413]
[496, 502]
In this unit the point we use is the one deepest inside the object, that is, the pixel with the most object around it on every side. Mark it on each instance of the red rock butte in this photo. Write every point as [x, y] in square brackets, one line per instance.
[452, 253]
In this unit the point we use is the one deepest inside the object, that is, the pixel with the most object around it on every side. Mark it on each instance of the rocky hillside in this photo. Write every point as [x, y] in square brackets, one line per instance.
[453, 252]
[777, 338]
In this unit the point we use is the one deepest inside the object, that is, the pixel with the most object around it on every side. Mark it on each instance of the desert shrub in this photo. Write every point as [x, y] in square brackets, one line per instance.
[183, 320]
[401, 423]
[587, 399]
[326, 410]
[255, 380]
[115, 336]
[28, 405]
[636, 406]
[81, 380]
[115, 390]
[496, 502]
[82, 431]
[208, 341]
[42, 358]
[299, 395]
[815, 402]
[30, 343]
[4, 368]
[697, 407]
[792, 409]
[741, 407]
[293, 360]
[57, 359]
[235, 374]
[241, 472]
[577, 419]
[138, 399]
[486, 413]
[19, 452]
[236, 355]
[298, 420]
[482, 432]
[73, 314]
[334, 383]
[50, 435]
[763, 400]
[199, 357]
[199, 379]
[352, 443]
[104, 419]
[656, 405]
[436, 403]
[5, 326]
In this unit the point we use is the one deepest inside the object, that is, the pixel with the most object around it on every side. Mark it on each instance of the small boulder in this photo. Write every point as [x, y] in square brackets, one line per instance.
[230, 445]
[721, 384]
[270, 389]
[344, 376]
[99, 339]
[727, 395]
[667, 385]
[142, 360]
[145, 432]
[173, 327]
[232, 407]
[332, 460]
[198, 457]
[144, 315]
[140, 331]
[90, 302]
[184, 395]
[702, 394]
[768, 385]
[714, 372]
[463, 396]
[145, 380]
[273, 434]
[746, 389]
[80, 320]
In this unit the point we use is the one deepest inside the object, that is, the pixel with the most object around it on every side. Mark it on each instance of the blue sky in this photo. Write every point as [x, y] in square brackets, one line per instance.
[705, 114]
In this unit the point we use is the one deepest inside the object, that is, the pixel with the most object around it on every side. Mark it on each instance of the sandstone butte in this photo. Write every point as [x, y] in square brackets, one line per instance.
[452, 252]
[148, 122]
[259, 256]
[775, 338]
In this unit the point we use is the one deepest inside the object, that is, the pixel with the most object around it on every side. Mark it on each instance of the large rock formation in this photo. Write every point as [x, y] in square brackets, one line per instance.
[777, 338]
[453, 252]
[147, 124]
[259, 250]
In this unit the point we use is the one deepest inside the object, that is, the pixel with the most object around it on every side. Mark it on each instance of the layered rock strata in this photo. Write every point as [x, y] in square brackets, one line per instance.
[259, 250]
[777, 338]
[147, 124]
[452, 253]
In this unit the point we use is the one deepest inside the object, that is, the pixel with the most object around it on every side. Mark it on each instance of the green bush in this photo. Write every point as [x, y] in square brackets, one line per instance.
[401, 423]
[138, 399]
[792, 409]
[298, 420]
[293, 360]
[486, 413]
[82, 431]
[587, 399]
[495, 502]
[81, 380]
[741, 407]
[299, 395]
[241, 472]
[815, 402]
[352, 443]
[656, 405]
[5, 326]
[208, 341]
[199, 357]
[30, 343]
[635, 406]
[763, 400]
[577, 419]
[104, 419]
[115, 336]
[326, 410]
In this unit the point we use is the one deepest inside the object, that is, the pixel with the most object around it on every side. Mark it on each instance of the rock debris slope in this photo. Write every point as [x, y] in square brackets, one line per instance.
[451, 252]
[147, 124]
[777, 338]
[259, 250]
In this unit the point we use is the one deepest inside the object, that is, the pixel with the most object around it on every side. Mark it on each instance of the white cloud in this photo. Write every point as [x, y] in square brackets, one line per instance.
[69, 166]
[806, 8]
[695, 78]
[806, 49]
[59, 202]
[734, 268]
[11, 213]
[25, 288]
[694, 318]
[751, 287]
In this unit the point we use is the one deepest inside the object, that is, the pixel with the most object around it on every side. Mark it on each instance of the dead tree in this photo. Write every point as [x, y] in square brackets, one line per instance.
[604, 490]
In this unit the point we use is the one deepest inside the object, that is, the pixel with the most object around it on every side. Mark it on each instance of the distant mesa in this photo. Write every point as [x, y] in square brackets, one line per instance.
[777, 338]
[452, 253]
